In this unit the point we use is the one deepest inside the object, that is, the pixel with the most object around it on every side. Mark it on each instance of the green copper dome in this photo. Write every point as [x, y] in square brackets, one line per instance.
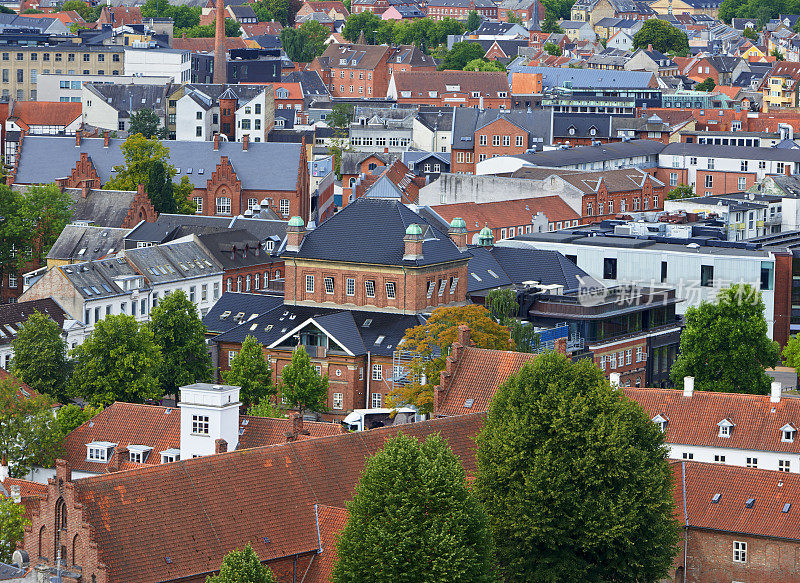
[296, 222]
[414, 229]
[458, 223]
[485, 237]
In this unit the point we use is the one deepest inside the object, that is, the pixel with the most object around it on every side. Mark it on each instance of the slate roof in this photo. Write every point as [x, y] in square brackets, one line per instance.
[103, 208]
[587, 154]
[216, 494]
[346, 327]
[467, 120]
[159, 231]
[250, 305]
[693, 420]
[173, 262]
[310, 82]
[371, 231]
[235, 249]
[128, 99]
[477, 376]
[13, 315]
[84, 243]
[546, 267]
[441, 120]
[587, 78]
[619, 180]
[489, 84]
[188, 157]
[770, 490]
[489, 27]
[581, 125]
[95, 279]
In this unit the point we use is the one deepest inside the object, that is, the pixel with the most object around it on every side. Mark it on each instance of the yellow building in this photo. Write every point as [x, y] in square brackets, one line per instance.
[709, 7]
[779, 88]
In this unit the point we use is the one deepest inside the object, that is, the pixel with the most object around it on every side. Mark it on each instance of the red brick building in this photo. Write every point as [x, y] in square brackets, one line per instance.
[351, 70]
[226, 176]
[485, 90]
[460, 9]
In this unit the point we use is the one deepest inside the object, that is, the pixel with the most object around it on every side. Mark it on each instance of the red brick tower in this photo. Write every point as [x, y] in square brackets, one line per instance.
[220, 65]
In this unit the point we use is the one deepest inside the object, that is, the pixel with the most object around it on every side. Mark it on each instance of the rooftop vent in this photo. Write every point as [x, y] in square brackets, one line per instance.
[468, 403]
[717, 497]
[750, 502]
[786, 508]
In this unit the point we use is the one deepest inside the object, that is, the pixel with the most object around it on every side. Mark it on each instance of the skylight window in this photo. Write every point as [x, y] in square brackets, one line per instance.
[379, 340]
[366, 323]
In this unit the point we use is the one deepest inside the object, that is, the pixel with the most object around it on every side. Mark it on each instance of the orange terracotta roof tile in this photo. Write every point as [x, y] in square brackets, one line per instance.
[196, 510]
[507, 212]
[294, 89]
[49, 113]
[419, 83]
[67, 17]
[770, 490]
[727, 90]
[26, 488]
[478, 374]
[693, 420]
[331, 521]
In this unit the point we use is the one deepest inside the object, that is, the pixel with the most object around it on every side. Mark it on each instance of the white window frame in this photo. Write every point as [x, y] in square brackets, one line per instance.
[377, 372]
[376, 400]
[391, 290]
[350, 286]
[338, 400]
[200, 425]
[309, 284]
[328, 281]
[369, 288]
[739, 551]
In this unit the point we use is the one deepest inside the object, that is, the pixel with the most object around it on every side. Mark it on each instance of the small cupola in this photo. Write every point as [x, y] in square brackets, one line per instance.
[486, 237]
[458, 232]
[295, 231]
[412, 242]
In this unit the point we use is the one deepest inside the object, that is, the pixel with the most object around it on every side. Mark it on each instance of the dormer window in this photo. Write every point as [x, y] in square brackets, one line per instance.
[788, 433]
[725, 428]
[138, 453]
[661, 421]
[170, 455]
[99, 451]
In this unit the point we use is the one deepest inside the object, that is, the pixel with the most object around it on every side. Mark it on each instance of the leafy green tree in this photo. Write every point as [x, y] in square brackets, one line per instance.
[571, 473]
[441, 29]
[12, 527]
[473, 20]
[6, 10]
[72, 416]
[777, 54]
[268, 10]
[182, 16]
[553, 49]
[681, 191]
[341, 115]
[751, 34]
[160, 188]
[365, 22]
[413, 501]
[182, 193]
[306, 42]
[140, 154]
[551, 26]
[232, 29]
[460, 54]
[483, 65]
[251, 371]
[724, 345]
[29, 433]
[558, 9]
[87, 12]
[12, 232]
[662, 35]
[45, 211]
[146, 122]
[178, 330]
[32, 11]
[119, 361]
[40, 356]
[512, 17]
[430, 345]
[243, 567]
[266, 408]
[706, 85]
[302, 386]
[503, 306]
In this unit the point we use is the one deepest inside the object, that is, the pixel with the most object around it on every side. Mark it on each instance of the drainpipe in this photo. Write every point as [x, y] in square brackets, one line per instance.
[294, 260]
[368, 374]
[404, 289]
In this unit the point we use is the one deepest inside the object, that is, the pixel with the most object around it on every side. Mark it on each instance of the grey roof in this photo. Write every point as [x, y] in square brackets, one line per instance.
[166, 224]
[467, 120]
[371, 231]
[582, 125]
[310, 81]
[461, 3]
[263, 166]
[250, 305]
[12, 316]
[489, 27]
[587, 78]
[412, 157]
[85, 243]
[587, 154]
[208, 94]
[103, 208]
[736, 152]
[127, 99]
[96, 279]
[173, 262]
[235, 249]
[242, 11]
[546, 267]
[352, 160]
[433, 120]
[345, 326]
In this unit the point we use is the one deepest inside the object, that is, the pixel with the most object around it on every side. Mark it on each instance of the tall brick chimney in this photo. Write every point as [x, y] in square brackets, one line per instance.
[413, 243]
[458, 233]
[106, 139]
[220, 64]
[220, 446]
[245, 142]
[78, 137]
[216, 142]
[120, 455]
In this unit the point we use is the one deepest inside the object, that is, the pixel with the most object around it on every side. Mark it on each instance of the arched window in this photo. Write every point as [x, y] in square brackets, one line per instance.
[41, 542]
[247, 283]
[266, 280]
[255, 280]
[74, 550]
[239, 283]
[229, 284]
[277, 274]
[61, 515]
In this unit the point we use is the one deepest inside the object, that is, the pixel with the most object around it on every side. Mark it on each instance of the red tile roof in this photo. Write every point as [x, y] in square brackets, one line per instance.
[421, 82]
[47, 113]
[294, 89]
[67, 17]
[259, 28]
[160, 428]
[23, 390]
[507, 212]
[331, 521]
[693, 420]
[26, 488]
[478, 374]
[206, 45]
[770, 491]
[123, 15]
[196, 510]
[326, 6]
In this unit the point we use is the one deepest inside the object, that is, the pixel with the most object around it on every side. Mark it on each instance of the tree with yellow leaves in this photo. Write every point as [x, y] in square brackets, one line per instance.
[430, 343]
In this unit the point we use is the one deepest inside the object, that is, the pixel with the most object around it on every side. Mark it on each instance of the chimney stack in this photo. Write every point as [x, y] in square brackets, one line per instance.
[106, 139]
[688, 386]
[216, 142]
[220, 446]
[245, 141]
[295, 231]
[78, 137]
[119, 456]
[775, 392]
[86, 187]
[458, 233]
[3, 469]
[464, 333]
[413, 243]
[220, 64]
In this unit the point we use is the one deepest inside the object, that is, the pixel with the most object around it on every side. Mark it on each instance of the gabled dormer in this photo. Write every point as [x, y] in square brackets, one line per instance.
[661, 421]
[99, 451]
[725, 427]
[788, 433]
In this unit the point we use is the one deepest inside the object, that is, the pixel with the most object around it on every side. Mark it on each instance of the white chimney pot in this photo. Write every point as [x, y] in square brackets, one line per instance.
[775, 392]
[688, 386]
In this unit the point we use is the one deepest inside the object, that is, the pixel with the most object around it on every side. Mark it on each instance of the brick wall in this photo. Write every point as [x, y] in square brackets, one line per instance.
[495, 135]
